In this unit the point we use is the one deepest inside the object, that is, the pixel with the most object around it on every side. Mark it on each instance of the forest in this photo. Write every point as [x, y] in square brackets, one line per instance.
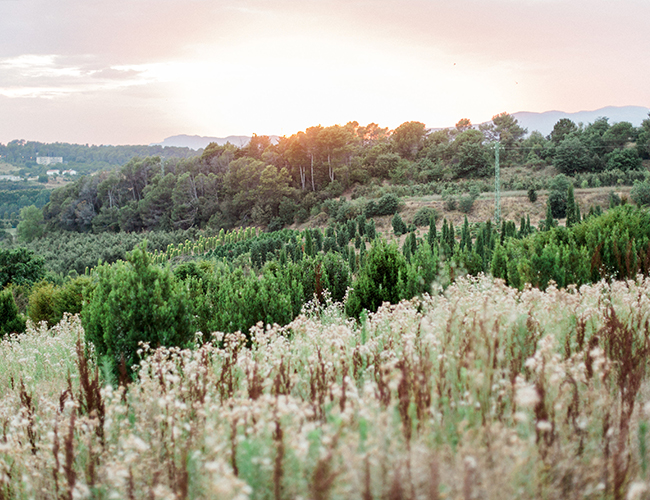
[275, 185]
[84, 158]
[301, 336]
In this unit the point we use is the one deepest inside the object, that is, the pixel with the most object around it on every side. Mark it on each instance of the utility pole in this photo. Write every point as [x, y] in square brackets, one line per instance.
[497, 186]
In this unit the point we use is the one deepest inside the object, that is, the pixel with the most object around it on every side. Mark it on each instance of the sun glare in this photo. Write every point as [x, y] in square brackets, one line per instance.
[287, 84]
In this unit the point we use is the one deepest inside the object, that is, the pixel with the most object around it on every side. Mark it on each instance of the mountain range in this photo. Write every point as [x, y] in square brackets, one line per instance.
[542, 122]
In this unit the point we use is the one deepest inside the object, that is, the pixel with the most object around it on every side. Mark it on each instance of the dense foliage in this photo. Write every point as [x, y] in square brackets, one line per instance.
[132, 302]
[274, 185]
[480, 392]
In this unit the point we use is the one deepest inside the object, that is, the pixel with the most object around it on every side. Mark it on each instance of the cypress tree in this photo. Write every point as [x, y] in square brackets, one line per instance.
[309, 244]
[318, 240]
[342, 236]
[432, 236]
[361, 224]
[466, 237]
[399, 228]
[451, 235]
[444, 239]
[480, 244]
[352, 259]
[571, 208]
[371, 232]
[549, 223]
[499, 266]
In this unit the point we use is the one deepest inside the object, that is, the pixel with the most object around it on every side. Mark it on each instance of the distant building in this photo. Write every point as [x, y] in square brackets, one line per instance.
[69, 172]
[49, 160]
[53, 172]
[13, 178]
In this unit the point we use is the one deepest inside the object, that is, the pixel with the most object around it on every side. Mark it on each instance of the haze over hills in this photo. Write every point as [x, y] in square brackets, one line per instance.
[200, 142]
[542, 122]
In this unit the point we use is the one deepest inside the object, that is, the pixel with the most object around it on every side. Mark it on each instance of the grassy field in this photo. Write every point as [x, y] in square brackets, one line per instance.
[6, 168]
[480, 392]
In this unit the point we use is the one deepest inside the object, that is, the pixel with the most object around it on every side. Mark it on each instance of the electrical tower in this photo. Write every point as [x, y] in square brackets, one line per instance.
[497, 186]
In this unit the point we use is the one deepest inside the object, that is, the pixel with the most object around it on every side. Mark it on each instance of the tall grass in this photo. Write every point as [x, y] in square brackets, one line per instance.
[483, 392]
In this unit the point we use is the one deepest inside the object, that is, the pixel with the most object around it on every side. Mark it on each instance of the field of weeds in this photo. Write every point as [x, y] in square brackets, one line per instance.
[480, 392]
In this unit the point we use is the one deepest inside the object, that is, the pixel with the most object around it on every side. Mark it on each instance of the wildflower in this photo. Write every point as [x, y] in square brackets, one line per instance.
[527, 396]
[636, 490]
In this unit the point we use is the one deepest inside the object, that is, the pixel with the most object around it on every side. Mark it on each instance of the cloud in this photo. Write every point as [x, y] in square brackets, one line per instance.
[51, 76]
[237, 66]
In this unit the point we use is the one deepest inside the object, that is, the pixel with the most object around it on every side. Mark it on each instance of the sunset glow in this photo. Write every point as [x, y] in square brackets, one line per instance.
[136, 72]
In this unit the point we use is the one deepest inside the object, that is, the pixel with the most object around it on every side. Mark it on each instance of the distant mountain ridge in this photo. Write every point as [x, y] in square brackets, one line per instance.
[544, 122]
[200, 142]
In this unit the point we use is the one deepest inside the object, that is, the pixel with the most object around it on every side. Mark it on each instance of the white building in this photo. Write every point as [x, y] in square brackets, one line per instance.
[53, 172]
[49, 160]
[13, 178]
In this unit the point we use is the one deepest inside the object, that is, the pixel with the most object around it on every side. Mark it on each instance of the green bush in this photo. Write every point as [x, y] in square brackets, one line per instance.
[399, 228]
[623, 159]
[450, 201]
[466, 203]
[132, 302]
[423, 216]
[48, 302]
[20, 267]
[41, 304]
[380, 280]
[640, 193]
[10, 320]
[557, 201]
[386, 205]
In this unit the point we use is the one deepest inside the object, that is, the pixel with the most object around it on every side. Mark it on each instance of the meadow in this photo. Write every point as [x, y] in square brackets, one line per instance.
[480, 391]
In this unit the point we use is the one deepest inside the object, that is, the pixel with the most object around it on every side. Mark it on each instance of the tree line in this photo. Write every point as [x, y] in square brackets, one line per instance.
[81, 157]
[274, 185]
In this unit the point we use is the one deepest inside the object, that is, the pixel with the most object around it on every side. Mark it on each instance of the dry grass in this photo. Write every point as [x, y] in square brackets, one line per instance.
[483, 392]
[514, 205]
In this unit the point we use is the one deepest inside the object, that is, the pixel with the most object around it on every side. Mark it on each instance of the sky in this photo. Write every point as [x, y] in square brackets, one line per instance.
[138, 71]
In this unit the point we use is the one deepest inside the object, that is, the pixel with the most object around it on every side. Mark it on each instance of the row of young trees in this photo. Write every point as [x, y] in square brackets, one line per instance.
[270, 277]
